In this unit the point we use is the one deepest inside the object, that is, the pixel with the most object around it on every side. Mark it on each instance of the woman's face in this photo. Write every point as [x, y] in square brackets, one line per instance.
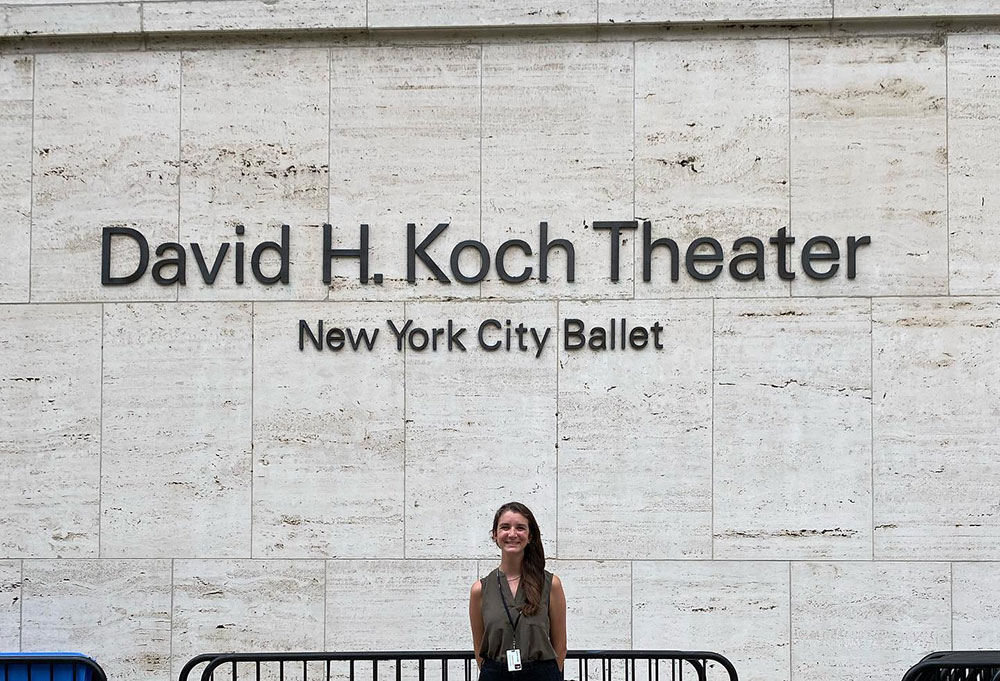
[512, 532]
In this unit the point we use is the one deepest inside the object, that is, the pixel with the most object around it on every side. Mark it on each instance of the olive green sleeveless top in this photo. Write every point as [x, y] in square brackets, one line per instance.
[532, 632]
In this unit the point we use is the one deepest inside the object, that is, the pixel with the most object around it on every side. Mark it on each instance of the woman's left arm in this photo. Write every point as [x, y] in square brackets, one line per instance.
[557, 620]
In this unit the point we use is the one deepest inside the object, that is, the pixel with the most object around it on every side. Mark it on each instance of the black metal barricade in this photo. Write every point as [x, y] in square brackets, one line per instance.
[581, 665]
[957, 665]
[49, 667]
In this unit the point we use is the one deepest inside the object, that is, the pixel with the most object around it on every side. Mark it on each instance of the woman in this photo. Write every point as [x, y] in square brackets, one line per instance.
[518, 611]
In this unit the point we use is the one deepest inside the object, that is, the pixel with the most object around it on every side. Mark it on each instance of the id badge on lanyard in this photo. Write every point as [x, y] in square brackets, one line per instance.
[513, 655]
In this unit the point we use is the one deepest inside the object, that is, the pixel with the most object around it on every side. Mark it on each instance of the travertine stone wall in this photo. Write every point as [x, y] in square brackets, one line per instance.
[805, 478]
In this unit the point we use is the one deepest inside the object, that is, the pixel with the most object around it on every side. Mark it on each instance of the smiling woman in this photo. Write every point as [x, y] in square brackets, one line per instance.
[518, 611]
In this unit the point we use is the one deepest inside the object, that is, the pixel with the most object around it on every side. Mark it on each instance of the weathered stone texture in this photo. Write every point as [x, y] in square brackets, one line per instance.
[646, 495]
[16, 95]
[176, 430]
[404, 148]
[739, 609]
[557, 147]
[973, 147]
[936, 403]
[711, 156]
[117, 611]
[481, 429]
[869, 158]
[50, 430]
[328, 435]
[792, 429]
[884, 616]
[244, 605]
[106, 153]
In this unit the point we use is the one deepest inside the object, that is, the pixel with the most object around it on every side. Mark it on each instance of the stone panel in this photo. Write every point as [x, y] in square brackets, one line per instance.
[105, 155]
[254, 153]
[661, 11]
[50, 430]
[251, 15]
[404, 148]
[481, 428]
[973, 146]
[598, 602]
[647, 494]
[711, 157]
[67, 19]
[328, 435]
[935, 411]
[438, 13]
[882, 616]
[557, 148]
[869, 158]
[792, 429]
[975, 606]
[10, 605]
[407, 604]
[16, 79]
[246, 605]
[738, 609]
[848, 9]
[176, 430]
[117, 611]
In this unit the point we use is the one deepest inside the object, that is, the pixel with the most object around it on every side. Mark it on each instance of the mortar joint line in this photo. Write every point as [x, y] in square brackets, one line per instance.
[871, 412]
[712, 446]
[100, 441]
[170, 661]
[253, 322]
[406, 418]
[947, 167]
[31, 169]
[20, 621]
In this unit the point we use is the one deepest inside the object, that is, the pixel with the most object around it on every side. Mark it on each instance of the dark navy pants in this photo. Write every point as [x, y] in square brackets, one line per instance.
[540, 670]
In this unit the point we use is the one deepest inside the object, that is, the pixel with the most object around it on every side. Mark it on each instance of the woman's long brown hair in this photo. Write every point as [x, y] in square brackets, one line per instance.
[533, 566]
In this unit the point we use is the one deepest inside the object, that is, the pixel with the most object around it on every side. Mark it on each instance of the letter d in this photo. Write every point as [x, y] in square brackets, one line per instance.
[140, 240]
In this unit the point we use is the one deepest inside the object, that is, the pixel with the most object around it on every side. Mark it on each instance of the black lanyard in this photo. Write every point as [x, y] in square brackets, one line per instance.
[513, 622]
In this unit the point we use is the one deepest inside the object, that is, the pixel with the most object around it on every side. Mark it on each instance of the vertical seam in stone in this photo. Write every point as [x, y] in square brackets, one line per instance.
[791, 636]
[31, 171]
[20, 621]
[712, 446]
[871, 408]
[180, 134]
[951, 600]
[170, 634]
[558, 548]
[788, 150]
[406, 419]
[145, 46]
[100, 442]
[326, 596]
[947, 164]
[482, 62]
[253, 321]
[635, 67]
[329, 139]
[631, 604]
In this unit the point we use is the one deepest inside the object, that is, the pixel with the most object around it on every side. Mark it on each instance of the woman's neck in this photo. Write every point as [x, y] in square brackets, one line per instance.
[511, 565]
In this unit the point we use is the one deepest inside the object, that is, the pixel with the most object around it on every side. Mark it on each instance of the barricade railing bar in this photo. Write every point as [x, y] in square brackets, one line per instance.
[957, 665]
[49, 667]
[581, 665]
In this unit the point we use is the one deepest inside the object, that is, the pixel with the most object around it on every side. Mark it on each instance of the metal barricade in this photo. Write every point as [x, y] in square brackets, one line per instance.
[581, 665]
[957, 665]
[49, 667]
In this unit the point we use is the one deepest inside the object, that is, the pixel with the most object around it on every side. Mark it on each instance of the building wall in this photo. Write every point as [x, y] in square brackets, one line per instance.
[804, 478]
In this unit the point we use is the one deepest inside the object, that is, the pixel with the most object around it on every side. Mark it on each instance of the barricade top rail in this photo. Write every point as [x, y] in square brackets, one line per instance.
[957, 665]
[587, 665]
[49, 667]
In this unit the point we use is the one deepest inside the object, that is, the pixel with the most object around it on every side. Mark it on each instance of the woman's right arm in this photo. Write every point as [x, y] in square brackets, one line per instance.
[476, 619]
